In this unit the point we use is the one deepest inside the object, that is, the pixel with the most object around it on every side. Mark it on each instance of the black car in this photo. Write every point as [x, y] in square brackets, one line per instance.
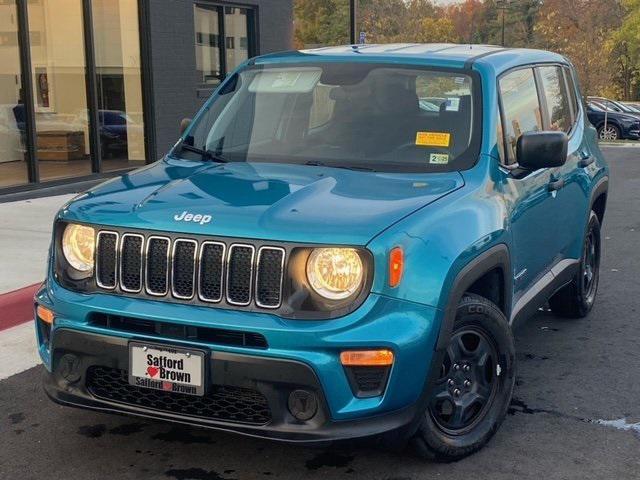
[619, 126]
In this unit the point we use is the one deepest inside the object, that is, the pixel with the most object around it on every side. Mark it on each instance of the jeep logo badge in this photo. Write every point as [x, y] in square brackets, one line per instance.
[190, 217]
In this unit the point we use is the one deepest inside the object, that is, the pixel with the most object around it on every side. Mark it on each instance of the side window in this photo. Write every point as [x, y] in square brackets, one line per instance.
[555, 94]
[520, 107]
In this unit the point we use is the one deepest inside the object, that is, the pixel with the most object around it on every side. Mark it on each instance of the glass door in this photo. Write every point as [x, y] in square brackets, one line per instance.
[13, 158]
[119, 81]
[59, 88]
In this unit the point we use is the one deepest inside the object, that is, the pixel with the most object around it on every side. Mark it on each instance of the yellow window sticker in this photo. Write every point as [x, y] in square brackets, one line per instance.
[439, 158]
[433, 139]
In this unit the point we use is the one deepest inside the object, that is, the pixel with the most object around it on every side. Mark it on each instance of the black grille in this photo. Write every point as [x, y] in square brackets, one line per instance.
[181, 332]
[106, 257]
[157, 266]
[223, 402]
[193, 270]
[211, 268]
[239, 274]
[184, 264]
[131, 265]
[269, 283]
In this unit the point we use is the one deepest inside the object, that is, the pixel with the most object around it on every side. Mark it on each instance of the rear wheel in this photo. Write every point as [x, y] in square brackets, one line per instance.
[470, 398]
[576, 299]
[608, 132]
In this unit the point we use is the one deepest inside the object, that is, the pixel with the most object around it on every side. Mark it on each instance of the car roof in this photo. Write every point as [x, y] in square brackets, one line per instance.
[436, 54]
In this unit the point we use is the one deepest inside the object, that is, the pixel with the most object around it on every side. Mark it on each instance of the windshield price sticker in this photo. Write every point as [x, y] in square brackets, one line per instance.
[433, 139]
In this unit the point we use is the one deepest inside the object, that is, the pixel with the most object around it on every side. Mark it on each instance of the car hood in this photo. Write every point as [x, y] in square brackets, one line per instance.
[298, 203]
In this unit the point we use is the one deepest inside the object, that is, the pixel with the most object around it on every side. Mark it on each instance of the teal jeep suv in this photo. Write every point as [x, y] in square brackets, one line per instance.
[338, 246]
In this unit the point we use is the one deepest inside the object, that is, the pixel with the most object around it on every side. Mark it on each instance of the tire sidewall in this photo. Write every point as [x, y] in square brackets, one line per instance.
[593, 225]
[614, 127]
[482, 314]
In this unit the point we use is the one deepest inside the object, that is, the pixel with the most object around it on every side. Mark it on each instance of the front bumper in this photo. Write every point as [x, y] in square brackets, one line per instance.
[302, 355]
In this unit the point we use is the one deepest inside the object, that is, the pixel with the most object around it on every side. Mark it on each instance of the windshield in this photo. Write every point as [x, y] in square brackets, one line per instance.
[348, 115]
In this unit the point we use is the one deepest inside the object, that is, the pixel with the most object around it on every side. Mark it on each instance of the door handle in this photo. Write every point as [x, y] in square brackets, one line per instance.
[555, 185]
[585, 161]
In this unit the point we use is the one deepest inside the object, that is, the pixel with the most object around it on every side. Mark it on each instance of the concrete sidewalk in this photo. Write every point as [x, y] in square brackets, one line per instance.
[25, 233]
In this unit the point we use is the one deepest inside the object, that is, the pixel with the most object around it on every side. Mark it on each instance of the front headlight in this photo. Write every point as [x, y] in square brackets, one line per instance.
[78, 245]
[335, 273]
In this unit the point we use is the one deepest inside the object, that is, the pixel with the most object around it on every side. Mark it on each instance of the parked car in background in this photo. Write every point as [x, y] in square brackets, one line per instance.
[635, 108]
[618, 126]
[613, 105]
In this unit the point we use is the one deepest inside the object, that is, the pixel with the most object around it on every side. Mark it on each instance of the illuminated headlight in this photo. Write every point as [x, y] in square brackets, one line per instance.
[78, 245]
[335, 273]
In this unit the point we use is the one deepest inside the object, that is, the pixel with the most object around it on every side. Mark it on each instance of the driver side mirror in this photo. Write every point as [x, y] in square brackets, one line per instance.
[536, 150]
[184, 124]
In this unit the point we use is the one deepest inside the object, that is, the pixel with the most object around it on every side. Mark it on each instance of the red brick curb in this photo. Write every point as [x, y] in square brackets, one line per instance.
[17, 307]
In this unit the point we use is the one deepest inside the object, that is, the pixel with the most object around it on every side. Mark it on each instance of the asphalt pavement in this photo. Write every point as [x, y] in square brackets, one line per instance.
[575, 413]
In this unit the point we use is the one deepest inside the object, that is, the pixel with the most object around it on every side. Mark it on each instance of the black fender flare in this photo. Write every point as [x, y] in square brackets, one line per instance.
[496, 256]
[600, 187]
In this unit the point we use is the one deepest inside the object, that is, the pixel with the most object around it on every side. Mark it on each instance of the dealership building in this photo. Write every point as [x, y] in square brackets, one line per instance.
[90, 88]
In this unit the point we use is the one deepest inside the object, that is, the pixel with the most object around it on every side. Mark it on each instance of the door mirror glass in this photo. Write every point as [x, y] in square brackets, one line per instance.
[536, 150]
[184, 124]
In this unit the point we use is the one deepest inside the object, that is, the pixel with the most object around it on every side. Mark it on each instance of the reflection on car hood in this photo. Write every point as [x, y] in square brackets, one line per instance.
[270, 201]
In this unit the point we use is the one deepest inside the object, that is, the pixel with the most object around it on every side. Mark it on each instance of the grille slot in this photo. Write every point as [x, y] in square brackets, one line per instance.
[131, 263]
[157, 275]
[184, 268]
[239, 274]
[269, 277]
[199, 271]
[211, 271]
[224, 402]
[107, 260]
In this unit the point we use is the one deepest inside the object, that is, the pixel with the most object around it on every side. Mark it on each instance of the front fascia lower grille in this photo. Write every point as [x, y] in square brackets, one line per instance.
[230, 273]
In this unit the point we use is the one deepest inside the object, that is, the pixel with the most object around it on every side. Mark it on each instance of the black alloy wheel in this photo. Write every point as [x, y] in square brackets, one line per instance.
[467, 381]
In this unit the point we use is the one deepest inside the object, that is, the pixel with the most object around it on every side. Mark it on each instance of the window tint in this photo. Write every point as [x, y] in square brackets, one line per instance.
[520, 106]
[555, 94]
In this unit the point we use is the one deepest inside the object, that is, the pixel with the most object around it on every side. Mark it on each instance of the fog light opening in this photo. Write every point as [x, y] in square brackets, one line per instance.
[303, 405]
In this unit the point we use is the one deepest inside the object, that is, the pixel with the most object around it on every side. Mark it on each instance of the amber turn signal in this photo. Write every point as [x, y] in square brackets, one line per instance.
[45, 314]
[367, 358]
[396, 266]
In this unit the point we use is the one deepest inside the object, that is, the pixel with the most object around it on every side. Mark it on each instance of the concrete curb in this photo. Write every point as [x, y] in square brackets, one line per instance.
[17, 307]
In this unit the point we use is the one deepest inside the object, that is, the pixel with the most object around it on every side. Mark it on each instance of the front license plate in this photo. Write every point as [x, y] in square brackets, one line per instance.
[166, 368]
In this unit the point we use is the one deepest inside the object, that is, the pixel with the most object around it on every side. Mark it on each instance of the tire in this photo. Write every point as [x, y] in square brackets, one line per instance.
[576, 299]
[440, 437]
[612, 132]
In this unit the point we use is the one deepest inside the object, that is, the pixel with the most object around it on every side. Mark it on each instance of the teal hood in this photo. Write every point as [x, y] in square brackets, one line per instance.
[284, 202]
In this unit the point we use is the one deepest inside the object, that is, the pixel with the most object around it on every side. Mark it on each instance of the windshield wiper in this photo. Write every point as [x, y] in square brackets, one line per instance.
[204, 154]
[315, 163]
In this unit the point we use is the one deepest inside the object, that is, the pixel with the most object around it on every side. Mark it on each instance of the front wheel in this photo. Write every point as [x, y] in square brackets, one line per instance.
[576, 299]
[470, 398]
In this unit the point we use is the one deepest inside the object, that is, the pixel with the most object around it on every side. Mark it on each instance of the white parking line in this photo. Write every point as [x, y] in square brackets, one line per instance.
[18, 350]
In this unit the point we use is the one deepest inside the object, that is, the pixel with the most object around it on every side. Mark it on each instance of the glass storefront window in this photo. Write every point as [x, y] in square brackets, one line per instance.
[58, 70]
[223, 40]
[207, 39]
[118, 69]
[236, 30]
[13, 161]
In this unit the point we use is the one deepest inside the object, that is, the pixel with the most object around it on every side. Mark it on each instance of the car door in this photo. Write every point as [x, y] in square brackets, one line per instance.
[562, 113]
[533, 209]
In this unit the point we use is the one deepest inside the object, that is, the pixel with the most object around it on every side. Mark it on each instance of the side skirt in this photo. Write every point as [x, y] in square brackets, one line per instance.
[560, 274]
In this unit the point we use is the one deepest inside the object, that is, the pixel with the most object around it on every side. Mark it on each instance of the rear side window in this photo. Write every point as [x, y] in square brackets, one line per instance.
[520, 107]
[558, 114]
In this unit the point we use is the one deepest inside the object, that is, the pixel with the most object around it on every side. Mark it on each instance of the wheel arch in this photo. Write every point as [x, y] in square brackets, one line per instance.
[598, 200]
[494, 259]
